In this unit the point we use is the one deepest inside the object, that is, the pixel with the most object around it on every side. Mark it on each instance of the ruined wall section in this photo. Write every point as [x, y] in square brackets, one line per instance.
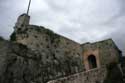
[106, 52]
[106, 74]
[20, 64]
[94, 76]
[58, 55]
[89, 50]
[109, 53]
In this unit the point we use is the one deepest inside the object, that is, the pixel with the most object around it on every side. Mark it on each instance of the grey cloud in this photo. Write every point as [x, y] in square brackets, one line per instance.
[80, 20]
[118, 36]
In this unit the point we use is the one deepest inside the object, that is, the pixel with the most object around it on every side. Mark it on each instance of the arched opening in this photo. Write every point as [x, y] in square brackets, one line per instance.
[92, 62]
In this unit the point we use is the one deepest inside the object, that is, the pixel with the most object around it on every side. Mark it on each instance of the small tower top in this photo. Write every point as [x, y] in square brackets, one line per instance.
[23, 20]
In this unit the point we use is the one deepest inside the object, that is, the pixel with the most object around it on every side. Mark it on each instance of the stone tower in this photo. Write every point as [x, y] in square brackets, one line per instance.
[22, 22]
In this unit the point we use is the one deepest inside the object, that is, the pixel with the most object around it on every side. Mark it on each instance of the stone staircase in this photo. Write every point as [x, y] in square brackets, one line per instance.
[123, 68]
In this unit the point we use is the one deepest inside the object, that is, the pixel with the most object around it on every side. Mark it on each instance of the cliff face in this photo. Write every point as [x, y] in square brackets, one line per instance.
[20, 64]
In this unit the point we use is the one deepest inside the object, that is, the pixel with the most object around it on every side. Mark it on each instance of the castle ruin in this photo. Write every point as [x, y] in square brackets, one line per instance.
[35, 54]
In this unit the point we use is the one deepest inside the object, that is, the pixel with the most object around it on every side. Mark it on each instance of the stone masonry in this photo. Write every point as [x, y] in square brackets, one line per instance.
[101, 50]
[35, 54]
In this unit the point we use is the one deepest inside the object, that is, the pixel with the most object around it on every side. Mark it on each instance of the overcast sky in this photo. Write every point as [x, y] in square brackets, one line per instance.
[79, 20]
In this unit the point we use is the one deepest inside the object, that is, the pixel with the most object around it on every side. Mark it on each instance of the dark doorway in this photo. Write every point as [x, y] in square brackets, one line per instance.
[92, 61]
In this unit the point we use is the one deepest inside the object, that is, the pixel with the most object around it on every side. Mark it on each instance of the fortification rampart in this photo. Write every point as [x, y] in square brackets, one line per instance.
[93, 76]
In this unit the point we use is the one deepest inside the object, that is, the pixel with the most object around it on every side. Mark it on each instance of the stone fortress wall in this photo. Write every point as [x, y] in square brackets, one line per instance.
[97, 75]
[20, 64]
[37, 55]
[105, 74]
[105, 52]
